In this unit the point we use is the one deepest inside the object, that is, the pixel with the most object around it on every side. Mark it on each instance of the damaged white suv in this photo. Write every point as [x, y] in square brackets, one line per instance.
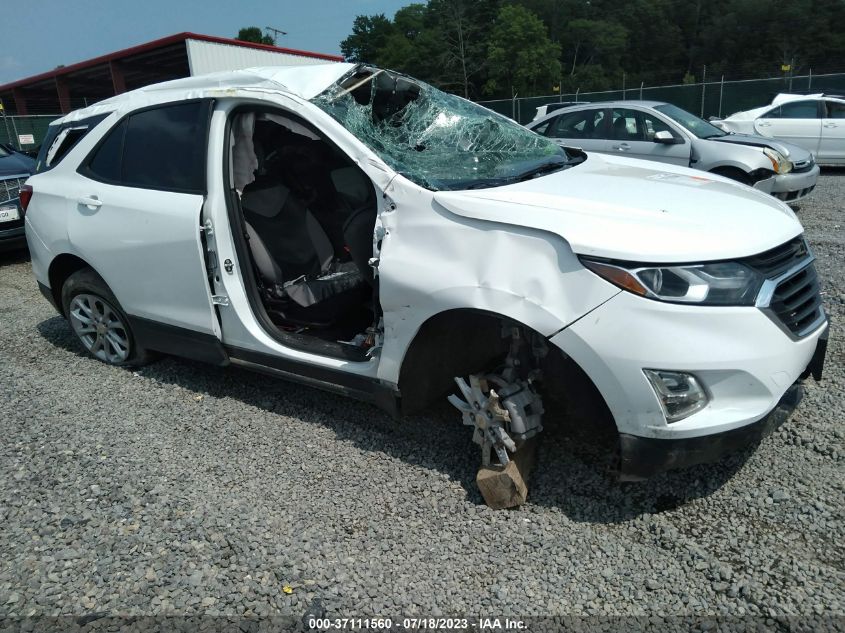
[362, 232]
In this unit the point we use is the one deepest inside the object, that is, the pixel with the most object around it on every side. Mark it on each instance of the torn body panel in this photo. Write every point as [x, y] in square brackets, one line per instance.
[433, 261]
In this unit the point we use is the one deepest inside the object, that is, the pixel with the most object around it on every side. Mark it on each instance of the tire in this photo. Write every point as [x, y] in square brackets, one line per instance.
[733, 173]
[98, 321]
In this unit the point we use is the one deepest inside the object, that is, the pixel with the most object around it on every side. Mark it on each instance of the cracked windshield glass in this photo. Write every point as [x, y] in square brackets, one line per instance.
[435, 139]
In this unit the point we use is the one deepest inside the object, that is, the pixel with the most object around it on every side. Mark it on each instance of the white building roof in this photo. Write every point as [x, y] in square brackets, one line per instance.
[305, 82]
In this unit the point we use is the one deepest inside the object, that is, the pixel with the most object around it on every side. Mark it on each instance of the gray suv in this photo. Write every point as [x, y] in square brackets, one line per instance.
[653, 130]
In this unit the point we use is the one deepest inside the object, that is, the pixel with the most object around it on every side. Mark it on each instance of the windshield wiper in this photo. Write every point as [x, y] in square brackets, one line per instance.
[545, 168]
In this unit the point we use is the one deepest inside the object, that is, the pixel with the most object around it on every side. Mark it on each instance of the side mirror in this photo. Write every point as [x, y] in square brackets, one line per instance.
[664, 137]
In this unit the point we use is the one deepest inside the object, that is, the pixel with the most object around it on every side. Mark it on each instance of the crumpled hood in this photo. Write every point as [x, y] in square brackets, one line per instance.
[636, 210]
[794, 153]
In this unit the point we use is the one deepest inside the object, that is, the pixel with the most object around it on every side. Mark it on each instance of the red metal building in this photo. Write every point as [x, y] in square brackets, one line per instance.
[182, 55]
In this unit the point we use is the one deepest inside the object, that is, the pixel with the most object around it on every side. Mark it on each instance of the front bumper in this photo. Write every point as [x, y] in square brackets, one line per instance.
[642, 457]
[793, 187]
[742, 358]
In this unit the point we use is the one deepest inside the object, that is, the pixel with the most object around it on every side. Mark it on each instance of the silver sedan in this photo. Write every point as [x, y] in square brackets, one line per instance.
[658, 131]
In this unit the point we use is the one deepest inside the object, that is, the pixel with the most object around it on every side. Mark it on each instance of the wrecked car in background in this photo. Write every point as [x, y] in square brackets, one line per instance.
[653, 130]
[357, 230]
[815, 122]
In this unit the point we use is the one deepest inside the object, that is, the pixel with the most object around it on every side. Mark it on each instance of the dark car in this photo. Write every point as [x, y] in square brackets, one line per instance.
[15, 168]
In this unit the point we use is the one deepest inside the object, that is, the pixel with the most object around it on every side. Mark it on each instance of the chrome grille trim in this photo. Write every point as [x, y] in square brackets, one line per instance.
[791, 298]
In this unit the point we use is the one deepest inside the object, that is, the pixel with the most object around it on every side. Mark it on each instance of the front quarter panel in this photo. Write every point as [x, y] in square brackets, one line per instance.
[714, 154]
[433, 261]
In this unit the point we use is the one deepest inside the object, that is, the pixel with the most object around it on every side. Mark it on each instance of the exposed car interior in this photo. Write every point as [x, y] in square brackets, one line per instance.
[308, 215]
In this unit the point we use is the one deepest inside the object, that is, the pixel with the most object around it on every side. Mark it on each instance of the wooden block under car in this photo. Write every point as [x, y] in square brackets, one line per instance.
[507, 487]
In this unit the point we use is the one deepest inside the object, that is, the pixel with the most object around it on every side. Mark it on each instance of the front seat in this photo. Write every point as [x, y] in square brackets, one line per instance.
[355, 193]
[300, 278]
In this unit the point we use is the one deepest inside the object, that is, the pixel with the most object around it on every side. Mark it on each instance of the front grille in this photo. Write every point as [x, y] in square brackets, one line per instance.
[797, 302]
[790, 296]
[779, 259]
[10, 188]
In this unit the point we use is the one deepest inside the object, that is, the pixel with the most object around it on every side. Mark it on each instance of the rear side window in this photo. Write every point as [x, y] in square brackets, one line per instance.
[835, 110]
[541, 129]
[158, 148]
[795, 110]
[60, 139]
[106, 162]
[584, 124]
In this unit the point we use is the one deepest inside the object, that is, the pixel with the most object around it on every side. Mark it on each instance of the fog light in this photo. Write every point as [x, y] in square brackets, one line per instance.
[680, 394]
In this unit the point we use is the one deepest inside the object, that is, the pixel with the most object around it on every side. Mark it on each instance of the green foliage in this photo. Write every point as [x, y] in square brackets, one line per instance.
[370, 34]
[254, 34]
[498, 47]
[522, 57]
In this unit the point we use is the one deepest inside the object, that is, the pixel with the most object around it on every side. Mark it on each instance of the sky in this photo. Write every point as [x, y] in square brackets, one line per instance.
[40, 35]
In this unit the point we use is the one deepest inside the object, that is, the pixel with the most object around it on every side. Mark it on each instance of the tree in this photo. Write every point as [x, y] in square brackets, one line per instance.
[595, 43]
[403, 49]
[462, 28]
[254, 34]
[522, 58]
[497, 46]
[370, 34]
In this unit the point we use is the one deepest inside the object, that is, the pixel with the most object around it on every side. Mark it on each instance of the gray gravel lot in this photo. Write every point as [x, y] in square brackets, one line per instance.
[186, 489]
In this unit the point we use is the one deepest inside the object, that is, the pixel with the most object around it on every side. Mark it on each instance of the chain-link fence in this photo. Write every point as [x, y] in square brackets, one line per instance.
[713, 98]
[12, 128]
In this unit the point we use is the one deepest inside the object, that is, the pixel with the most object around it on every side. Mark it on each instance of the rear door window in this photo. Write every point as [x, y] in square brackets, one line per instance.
[835, 110]
[580, 125]
[161, 148]
[795, 110]
[543, 127]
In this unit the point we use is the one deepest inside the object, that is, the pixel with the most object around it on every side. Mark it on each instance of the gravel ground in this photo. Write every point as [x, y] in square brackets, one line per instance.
[186, 489]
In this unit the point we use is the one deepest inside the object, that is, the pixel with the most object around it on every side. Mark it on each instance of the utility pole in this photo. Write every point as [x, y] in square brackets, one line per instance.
[703, 88]
[791, 72]
[276, 33]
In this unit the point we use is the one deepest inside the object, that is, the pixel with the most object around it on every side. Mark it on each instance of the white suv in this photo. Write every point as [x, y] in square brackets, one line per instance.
[362, 232]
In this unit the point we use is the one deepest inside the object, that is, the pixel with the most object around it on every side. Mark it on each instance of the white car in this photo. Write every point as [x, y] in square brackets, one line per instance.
[362, 232]
[814, 122]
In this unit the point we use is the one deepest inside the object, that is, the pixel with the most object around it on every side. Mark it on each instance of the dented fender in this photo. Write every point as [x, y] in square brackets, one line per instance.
[433, 261]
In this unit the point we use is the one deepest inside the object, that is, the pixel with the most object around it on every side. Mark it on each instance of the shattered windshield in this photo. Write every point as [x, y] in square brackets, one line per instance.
[435, 139]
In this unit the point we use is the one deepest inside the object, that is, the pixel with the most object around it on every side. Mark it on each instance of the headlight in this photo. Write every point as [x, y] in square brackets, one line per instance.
[780, 164]
[722, 283]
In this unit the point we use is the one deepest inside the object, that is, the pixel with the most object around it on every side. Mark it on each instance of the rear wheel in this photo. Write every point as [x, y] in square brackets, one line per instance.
[98, 321]
[733, 173]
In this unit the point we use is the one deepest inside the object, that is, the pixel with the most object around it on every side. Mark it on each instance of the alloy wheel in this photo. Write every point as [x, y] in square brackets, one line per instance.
[100, 328]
